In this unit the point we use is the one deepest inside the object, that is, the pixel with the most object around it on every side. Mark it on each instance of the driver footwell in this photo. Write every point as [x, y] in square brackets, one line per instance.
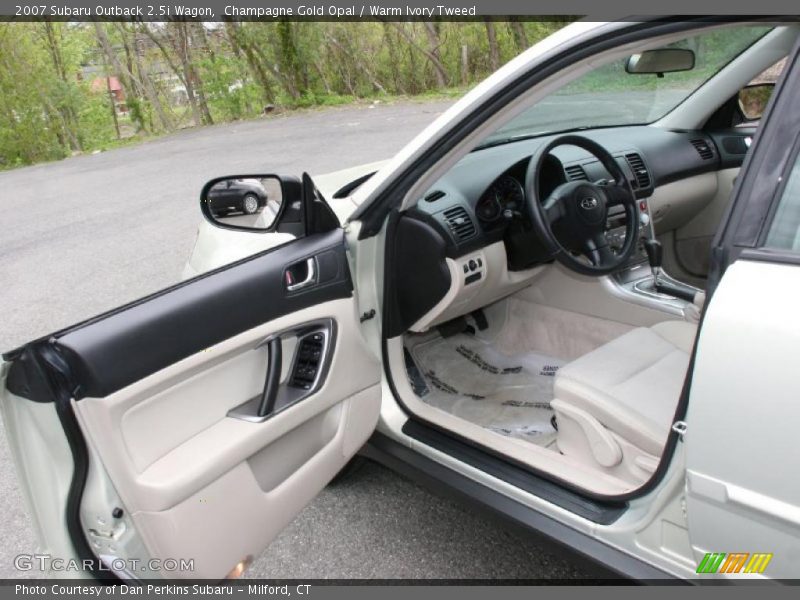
[501, 377]
[470, 379]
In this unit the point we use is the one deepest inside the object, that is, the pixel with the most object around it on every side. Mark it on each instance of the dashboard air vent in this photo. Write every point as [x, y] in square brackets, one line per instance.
[575, 173]
[434, 196]
[642, 177]
[459, 223]
[703, 148]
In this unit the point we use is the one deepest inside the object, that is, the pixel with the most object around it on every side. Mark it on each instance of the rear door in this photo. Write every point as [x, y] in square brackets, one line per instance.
[185, 430]
[742, 447]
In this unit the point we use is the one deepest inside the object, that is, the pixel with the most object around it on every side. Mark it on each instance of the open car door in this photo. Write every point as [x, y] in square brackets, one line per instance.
[743, 499]
[186, 430]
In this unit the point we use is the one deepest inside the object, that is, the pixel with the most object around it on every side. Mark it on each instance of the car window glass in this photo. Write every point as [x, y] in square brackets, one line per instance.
[607, 95]
[784, 233]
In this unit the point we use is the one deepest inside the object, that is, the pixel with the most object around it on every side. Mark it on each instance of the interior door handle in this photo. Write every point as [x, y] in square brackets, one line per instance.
[273, 378]
[310, 278]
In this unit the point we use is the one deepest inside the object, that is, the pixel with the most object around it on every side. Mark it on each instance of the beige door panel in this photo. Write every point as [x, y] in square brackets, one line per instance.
[186, 470]
[232, 518]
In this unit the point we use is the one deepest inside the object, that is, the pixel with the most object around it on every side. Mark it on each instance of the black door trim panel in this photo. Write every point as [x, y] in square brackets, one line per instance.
[127, 345]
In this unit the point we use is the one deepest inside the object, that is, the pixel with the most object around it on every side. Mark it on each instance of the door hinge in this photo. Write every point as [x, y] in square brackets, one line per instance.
[368, 315]
[680, 428]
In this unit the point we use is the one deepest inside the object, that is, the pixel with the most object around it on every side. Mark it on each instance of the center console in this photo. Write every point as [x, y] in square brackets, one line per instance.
[643, 281]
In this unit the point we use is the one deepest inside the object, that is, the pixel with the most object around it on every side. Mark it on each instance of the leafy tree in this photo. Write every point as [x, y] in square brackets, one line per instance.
[54, 96]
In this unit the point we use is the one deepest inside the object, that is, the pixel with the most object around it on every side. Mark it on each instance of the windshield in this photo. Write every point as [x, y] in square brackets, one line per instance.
[608, 95]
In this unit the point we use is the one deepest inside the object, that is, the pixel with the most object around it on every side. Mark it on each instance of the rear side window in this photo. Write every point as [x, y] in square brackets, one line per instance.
[784, 233]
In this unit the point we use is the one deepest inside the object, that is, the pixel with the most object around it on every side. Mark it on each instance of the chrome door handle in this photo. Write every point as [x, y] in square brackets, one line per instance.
[311, 276]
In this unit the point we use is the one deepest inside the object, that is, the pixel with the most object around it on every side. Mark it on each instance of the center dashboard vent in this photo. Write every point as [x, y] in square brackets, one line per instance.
[575, 173]
[640, 172]
[703, 148]
[460, 223]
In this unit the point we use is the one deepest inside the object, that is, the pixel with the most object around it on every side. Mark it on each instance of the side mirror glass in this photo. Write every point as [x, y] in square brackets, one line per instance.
[753, 100]
[660, 61]
[246, 202]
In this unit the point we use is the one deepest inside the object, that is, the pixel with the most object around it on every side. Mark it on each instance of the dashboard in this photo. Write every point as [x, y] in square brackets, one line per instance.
[477, 200]
[478, 207]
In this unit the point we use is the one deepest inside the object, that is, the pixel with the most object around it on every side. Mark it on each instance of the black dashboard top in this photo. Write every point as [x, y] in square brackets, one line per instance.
[465, 202]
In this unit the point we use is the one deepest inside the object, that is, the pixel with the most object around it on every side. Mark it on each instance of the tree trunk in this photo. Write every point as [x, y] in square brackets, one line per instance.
[464, 64]
[136, 92]
[113, 105]
[494, 49]
[239, 43]
[290, 68]
[149, 89]
[68, 114]
[394, 59]
[434, 43]
[126, 77]
[192, 83]
[167, 56]
[518, 30]
[359, 64]
[195, 72]
[432, 54]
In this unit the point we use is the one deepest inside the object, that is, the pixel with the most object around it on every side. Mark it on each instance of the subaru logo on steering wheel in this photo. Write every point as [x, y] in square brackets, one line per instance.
[589, 203]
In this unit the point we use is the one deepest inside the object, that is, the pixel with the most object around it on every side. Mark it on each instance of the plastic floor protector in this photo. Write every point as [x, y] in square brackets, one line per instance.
[470, 379]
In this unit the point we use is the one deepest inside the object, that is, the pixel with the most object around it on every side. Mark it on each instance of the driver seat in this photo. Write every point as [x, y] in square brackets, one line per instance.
[615, 405]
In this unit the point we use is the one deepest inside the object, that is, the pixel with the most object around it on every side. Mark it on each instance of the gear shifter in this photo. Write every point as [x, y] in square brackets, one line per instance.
[655, 254]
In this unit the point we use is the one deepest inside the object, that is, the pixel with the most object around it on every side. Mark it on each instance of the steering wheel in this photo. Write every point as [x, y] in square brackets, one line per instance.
[579, 210]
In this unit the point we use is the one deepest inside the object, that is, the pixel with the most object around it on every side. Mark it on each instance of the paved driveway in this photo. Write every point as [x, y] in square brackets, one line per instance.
[86, 234]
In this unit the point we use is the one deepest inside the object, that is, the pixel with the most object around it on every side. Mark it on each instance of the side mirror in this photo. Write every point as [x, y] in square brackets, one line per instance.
[660, 61]
[256, 203]
[267, 203]
[753, 100]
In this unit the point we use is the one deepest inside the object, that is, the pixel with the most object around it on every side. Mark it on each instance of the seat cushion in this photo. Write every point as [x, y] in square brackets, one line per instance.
[632, 384]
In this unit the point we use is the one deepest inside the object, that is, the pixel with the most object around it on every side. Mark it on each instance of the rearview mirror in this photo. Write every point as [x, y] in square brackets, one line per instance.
[255, 203]
[753, 100]
[660, 61]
